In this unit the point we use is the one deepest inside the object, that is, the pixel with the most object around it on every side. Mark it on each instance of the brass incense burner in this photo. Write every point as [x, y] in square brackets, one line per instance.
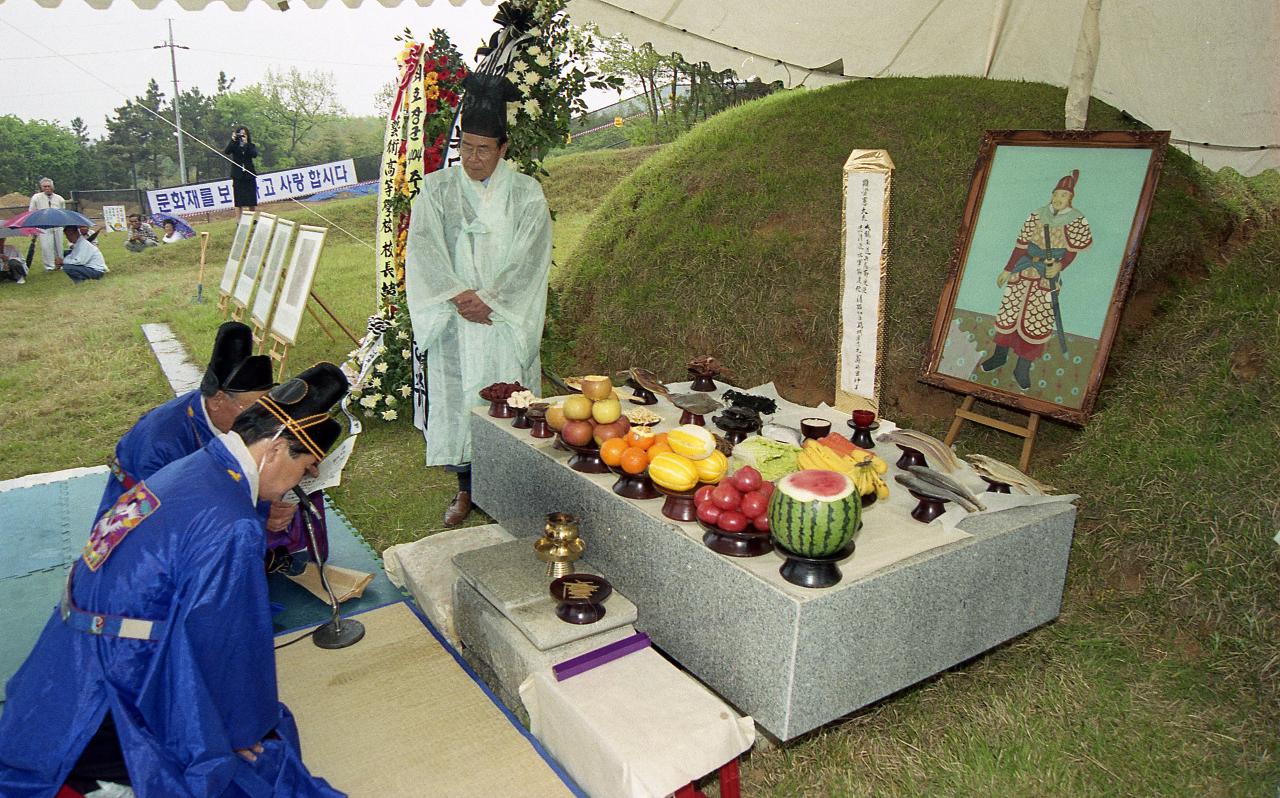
[559, 547]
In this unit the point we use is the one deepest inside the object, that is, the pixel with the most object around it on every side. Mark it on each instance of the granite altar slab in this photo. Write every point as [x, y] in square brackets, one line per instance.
[791, 657]
[517, 585]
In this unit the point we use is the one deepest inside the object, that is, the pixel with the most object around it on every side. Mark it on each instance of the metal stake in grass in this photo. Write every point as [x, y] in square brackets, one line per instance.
[198, 299]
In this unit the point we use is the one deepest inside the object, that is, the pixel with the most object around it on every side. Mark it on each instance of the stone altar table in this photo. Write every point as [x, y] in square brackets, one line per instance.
[792, 657]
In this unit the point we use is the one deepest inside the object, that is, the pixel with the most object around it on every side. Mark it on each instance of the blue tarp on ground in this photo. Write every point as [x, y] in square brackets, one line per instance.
[42, 528]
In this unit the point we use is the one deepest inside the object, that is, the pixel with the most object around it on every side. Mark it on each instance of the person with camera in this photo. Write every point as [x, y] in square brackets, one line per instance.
[244, 177]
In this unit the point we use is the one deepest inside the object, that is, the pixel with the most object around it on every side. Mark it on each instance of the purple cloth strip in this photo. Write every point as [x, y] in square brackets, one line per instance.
[594, 659]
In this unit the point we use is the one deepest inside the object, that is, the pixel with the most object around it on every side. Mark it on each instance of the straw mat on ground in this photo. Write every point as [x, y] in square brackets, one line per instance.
[395, 715]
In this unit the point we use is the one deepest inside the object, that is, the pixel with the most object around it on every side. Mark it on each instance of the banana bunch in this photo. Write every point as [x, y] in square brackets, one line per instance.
[863, 467]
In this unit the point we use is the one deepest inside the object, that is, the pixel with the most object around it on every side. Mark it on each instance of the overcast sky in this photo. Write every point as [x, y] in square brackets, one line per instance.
[109, 55]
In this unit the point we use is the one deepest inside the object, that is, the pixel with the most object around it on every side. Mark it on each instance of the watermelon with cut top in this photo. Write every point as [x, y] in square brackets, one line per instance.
[814, 513]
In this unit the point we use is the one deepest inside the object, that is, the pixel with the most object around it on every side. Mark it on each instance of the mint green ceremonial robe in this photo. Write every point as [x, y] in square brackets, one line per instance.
[494, 238]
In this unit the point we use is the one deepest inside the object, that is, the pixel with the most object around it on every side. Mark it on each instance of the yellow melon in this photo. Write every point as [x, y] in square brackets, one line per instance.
[673, 472]
[711, 468]
[691, 441]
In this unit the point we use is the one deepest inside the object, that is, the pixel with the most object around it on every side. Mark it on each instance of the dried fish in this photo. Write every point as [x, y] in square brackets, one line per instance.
[998, 471]
[695, 402]
[943, 481]
[649, 381]
[935, 451]
[917, 485]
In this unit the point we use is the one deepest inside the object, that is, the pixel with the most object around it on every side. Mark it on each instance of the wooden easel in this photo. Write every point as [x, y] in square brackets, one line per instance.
[279, 352]
[331, 315]
[1028, 433]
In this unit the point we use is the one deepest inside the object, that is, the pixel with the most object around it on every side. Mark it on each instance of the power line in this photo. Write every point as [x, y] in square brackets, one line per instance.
[95, 52]
[298, 60]
[196, 139]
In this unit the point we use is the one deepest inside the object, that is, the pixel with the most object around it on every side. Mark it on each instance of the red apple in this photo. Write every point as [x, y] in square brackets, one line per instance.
[614, 430]
[767, 489]
[761, 522]
[732, 521]
[576, 433]
[746, 479]
[708, 513]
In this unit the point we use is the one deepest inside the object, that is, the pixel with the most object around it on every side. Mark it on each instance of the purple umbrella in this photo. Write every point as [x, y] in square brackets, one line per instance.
[179, 224]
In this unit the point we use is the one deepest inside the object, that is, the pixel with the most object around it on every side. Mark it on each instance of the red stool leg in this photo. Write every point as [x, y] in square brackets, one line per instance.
[729, 785]
[689, 791]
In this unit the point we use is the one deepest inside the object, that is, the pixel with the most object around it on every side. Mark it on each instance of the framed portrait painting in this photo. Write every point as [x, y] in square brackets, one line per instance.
[1041, 267]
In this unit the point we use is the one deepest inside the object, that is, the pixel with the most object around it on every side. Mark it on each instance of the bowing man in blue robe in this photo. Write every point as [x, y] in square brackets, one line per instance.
[157, 671]
[233, 380]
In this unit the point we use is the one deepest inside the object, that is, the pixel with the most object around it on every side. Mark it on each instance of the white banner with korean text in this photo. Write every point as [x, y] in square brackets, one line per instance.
[272, 187]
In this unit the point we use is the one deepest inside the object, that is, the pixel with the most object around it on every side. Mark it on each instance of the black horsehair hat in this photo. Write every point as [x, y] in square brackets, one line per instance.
[233, 366]
[484, 104]
[302, 405]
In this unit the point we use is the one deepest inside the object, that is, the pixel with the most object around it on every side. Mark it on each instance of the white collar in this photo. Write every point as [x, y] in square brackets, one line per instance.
[204, 409]
[238, 450]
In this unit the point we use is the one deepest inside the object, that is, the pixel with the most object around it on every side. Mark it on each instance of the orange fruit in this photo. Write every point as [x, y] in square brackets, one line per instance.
[634, 460]
[641, 438]
[611, 451]
[657, 448]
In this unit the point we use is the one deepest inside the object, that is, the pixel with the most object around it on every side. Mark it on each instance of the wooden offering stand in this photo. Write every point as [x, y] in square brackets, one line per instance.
[585, 459]
[634, 486]
[747, 543]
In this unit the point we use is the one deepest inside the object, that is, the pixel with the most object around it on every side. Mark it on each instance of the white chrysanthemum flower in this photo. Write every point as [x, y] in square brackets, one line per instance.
[519, 66]
[388, 415]
[531, 107]
[406, 391]
[534, 50]
[381, 368]
[402, 335]
[532, 78]
[542, 61]
[376, 382]
[388, 400]
[369, 401]
[406, 353]
[368, 414]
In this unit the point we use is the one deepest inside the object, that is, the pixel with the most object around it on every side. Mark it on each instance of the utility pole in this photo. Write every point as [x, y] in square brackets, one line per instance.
[177, 114]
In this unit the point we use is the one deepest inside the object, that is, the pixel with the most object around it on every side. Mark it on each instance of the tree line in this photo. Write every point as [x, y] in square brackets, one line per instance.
[295, 118]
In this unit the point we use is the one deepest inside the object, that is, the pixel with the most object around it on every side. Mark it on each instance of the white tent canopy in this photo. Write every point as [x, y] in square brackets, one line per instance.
[1208, 72]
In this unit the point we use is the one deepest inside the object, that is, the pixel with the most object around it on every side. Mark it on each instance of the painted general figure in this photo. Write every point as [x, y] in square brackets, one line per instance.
[478, 257]
[1030, 313]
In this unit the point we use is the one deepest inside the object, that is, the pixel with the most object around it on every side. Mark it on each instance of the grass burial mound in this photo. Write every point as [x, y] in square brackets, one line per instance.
[1160, 676]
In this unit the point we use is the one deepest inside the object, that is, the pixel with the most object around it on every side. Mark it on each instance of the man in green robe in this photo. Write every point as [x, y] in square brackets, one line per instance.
[477, 260]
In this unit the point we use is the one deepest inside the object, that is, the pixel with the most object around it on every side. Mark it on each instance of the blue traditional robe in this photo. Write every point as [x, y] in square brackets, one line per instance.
[184, 548]
[164, 434]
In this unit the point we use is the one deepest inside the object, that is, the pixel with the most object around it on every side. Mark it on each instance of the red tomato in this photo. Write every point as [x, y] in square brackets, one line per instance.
[761, 522]
[732, 521]
[726, 496]
[702, 495]
[746, 479]
[753, 504]
[708, 513]
[766, 488]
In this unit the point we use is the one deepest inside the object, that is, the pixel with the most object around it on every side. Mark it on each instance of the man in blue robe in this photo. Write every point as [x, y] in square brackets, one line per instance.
[158, 669]
[233, 380]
